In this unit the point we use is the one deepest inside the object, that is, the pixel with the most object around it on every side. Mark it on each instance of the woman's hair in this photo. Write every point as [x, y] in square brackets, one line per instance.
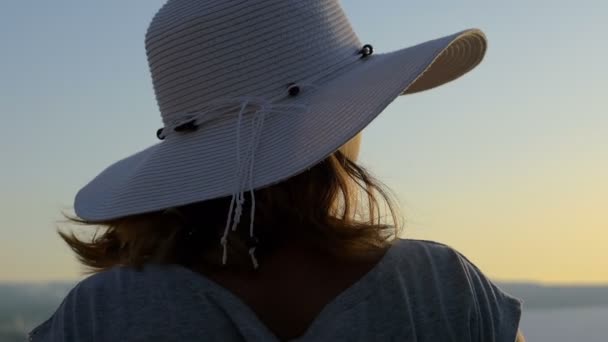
[336, 207]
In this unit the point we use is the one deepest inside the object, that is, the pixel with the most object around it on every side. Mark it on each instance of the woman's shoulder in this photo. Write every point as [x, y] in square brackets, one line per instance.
[439, 276]
[119, 281]
[420, 253]
[103, 303]
[405, 243]
[445, 265]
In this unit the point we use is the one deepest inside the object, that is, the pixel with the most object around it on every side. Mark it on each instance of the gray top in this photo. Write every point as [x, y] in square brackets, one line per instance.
[419, 291]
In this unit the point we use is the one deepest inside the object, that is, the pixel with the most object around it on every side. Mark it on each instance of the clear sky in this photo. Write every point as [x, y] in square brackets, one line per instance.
[508, 164]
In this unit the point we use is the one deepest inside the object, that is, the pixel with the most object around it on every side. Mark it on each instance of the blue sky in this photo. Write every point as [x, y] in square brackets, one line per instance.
[510, 159]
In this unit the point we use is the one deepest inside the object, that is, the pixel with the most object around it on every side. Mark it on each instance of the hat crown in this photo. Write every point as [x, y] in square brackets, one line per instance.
[199, 51]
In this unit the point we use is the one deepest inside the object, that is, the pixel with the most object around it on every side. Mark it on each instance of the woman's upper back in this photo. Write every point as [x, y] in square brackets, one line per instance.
[419, 291]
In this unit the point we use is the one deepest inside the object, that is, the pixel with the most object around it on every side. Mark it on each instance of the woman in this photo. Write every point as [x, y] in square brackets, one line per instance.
[251, 219]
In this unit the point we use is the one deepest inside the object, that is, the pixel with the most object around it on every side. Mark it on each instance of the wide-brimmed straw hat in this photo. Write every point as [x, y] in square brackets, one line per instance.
[254, 92]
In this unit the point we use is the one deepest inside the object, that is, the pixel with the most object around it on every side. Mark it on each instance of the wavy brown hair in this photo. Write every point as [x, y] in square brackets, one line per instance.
[336, 207]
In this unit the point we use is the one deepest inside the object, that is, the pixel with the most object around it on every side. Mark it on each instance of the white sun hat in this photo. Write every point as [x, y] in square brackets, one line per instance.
[254, 92]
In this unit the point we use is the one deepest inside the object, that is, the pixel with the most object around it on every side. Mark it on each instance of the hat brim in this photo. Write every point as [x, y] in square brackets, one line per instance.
[198, 166]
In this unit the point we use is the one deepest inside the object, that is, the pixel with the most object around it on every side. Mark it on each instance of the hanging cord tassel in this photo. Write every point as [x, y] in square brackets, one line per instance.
[254, 260]
[243, 175]
[257, 129]
[236, 197]
[245, 166]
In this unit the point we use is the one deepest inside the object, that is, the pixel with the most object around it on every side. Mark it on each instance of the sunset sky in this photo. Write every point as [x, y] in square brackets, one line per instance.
[509, 164]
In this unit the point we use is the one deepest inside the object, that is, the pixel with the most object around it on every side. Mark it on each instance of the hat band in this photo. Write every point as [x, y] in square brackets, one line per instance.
[191, 121]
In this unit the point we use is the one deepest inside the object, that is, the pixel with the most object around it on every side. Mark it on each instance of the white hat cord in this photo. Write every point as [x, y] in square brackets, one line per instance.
[245, 169]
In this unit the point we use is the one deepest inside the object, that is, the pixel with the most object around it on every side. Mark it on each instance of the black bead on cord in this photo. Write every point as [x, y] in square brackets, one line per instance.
[293, 89]
[159, 134]
[188, 126]
[366, 50]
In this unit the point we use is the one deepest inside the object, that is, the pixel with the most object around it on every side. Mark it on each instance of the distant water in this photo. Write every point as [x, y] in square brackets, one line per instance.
[566, 325]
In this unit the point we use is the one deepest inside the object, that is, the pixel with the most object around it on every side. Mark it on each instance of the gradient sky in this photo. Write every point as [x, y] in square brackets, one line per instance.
[509, 164]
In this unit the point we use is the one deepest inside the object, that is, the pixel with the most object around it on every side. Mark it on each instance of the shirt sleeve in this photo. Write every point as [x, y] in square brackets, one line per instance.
[70, 322]
[495, 314]
[85, 312]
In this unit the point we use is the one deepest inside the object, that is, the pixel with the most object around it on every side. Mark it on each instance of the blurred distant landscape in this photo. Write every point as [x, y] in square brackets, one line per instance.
[24, 306]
